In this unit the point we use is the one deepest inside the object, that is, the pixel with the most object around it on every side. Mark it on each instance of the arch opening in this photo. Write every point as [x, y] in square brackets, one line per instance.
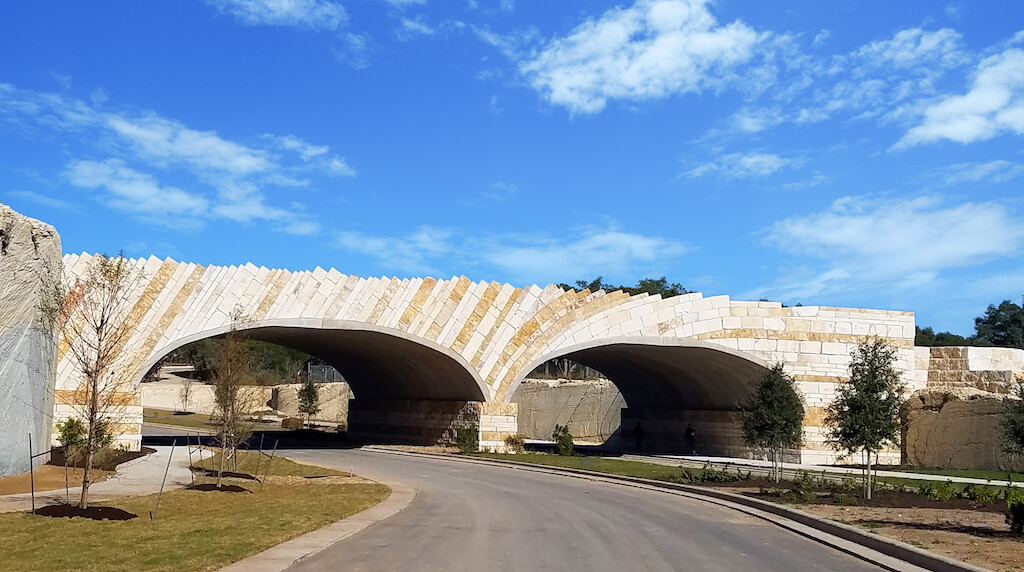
[665, 386]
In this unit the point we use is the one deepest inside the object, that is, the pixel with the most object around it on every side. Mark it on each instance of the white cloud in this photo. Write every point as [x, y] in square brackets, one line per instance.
[354, 50]
[410, 254]
[313, 14]
[821, 38]
[913, 48]
[229, 178]
[132, 191]
[652, 49]
[542, 259]
[994, 105]
[496, 192]
[743, 165]
[40, 199]
[998, 171]
[895, 244]
[417, 26]
[303, 228]
[405, 3]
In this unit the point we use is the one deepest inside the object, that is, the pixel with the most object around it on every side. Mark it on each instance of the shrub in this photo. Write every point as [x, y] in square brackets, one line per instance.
[467, 438]
[845, 500]
[515, 444]
[1015, 509]
[563, 439]
[940, 492]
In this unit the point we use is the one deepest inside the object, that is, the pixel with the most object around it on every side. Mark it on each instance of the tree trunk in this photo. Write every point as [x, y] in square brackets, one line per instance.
[223, 454]
[869, 475]
[84, 502]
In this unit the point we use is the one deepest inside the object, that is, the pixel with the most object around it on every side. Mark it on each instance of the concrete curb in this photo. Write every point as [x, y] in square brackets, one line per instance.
[890, 554]
[284, 555]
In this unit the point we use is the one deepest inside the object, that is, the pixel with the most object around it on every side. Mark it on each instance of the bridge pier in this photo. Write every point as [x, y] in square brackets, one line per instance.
[431, 422]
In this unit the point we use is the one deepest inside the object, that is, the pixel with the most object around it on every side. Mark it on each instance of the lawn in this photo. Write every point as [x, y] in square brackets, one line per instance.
[968, 473]
[596, 464]
[280, 466]
[194, 420]
[194, 530]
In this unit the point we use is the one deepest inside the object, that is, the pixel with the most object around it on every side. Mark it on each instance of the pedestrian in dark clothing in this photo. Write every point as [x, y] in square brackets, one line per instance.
[638, 434]
[691, 440]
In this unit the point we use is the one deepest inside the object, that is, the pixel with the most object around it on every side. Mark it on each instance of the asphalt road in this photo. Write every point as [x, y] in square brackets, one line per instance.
[473, 518]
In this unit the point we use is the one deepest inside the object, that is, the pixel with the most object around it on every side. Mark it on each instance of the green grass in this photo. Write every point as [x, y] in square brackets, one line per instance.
[279, 467]
[194, 530]
[596, 464]
[194, 420]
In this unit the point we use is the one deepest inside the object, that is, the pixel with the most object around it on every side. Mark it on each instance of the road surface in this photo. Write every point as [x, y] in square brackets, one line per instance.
[472, 517]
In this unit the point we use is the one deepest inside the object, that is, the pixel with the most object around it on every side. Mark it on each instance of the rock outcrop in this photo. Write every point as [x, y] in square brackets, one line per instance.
[955, 428]
[591, 409]
[29, 253]
[333, 402]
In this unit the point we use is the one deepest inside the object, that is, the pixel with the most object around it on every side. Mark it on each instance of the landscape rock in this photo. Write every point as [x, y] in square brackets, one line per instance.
[30, 253]
[591, 409]
[334, 398]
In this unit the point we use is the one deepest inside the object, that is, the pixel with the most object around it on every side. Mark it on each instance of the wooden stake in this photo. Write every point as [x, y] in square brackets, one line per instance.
[270, 464]
[259, 457]
[169, 457]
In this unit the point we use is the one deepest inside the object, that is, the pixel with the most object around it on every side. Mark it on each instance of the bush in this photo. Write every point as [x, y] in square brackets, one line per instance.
[563, 439]
[980, 494]
[940, 492]
[845, 500]
[1015, 509]
[467, 438]
[515, 444]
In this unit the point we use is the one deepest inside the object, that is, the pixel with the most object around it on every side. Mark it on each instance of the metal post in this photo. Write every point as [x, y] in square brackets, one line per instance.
[270, 464]
[259, 457]
[67, 487]
[188, 444]
[169, 457]
[31, 474]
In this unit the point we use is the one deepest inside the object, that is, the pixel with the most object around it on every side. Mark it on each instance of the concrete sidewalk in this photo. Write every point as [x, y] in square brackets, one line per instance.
[757, 467]
[141, 476]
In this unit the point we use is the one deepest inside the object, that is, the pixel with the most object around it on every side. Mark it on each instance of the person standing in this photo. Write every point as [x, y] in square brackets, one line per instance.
[638, 435]
[691, 440]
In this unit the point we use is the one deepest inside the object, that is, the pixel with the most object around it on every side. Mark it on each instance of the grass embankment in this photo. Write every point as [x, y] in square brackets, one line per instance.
[193, 420]
[280, 467]
[194, 530]
[596, 464]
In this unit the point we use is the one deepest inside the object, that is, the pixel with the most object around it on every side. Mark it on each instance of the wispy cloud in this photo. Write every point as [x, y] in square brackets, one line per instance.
[537, 258]
[652, 49]
[743, 166]
[496, 192]
[41, 199]
[891, 243]
[998, 171]
[229, 179]
[312, 14]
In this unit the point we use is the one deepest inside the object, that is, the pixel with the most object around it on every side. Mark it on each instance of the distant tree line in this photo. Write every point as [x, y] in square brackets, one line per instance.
[1001, 326]
[269, 363]
[651, 286]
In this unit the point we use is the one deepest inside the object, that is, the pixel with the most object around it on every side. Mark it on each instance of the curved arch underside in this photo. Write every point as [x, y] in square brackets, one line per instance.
[673, 377]
[381, 366]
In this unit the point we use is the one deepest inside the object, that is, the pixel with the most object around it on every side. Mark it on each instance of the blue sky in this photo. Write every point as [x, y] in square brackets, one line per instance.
[859, 153]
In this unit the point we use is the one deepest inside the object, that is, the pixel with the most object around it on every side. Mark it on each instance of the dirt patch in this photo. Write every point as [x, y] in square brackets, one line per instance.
[93, 512]
[225, 474]
[49, 478]
[886, 499]
[222, 489]
[978, 537]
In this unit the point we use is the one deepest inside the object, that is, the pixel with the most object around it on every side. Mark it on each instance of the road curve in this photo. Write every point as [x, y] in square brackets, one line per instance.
[472, 517]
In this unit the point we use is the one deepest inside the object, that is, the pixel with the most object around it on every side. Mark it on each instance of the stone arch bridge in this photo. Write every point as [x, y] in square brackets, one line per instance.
[424, 355]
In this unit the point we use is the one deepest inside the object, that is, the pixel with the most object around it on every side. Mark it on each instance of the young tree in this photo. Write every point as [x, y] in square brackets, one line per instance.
[773, 418]
[232, 391]
[89, 316]
[185, 393]
[309, 399]
[866, 412]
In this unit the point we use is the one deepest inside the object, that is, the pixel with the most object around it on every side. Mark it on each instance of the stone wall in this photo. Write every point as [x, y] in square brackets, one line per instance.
[590, 408]
[955, 428]
[431, 422]
[334, 398]
[987, 369]
[29, 251]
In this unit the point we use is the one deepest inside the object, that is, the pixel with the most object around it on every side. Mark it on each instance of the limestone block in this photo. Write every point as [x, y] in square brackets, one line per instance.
[29, 251]
[591, 409]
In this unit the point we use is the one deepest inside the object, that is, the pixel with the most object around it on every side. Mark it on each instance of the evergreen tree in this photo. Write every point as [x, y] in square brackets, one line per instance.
[309, 398]
[866, 412]
[773, 418]
[1011, 426]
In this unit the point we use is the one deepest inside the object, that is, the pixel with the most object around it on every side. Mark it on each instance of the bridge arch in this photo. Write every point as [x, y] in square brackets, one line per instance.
[668, 383]
[379, 363]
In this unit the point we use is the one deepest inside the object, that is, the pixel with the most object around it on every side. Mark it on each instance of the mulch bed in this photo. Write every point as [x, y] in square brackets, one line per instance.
[93, 512]
[889, 499]
[222, 488]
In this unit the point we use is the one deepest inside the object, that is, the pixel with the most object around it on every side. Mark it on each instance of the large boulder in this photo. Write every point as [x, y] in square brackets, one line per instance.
[30, 254]
[956, 428]
[591, 409]
[333, 402]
